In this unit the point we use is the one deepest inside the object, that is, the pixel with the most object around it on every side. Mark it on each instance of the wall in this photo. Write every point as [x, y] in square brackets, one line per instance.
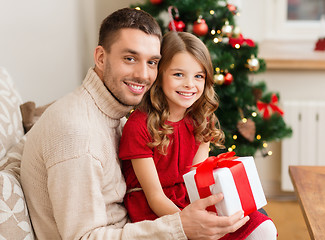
[39, 46]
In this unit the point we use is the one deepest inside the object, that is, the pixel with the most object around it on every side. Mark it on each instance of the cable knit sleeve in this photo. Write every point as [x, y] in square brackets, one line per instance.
[80, 211]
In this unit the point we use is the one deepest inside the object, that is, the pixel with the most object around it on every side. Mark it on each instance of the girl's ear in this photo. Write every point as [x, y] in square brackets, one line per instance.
[99, 57]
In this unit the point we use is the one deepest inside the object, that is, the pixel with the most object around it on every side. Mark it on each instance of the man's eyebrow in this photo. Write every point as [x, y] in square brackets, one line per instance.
[131, 51]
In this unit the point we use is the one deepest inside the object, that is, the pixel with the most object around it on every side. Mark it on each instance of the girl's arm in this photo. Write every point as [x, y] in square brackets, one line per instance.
[202, 153]
[147, 175]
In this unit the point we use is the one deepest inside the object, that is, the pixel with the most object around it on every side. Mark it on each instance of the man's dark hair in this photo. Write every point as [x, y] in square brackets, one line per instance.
[126, 18]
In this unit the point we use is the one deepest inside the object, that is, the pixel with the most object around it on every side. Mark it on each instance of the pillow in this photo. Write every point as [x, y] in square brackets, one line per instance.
[11, 128]
[30, 114]
[14, 218]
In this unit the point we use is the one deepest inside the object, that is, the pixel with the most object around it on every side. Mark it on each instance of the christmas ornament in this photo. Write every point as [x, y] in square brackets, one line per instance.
[200, 28]
[232, 8]
[219, 78]
[156, 2]
[228, 79]
[320, 44]
[253, 64]
[247, 128]
[227, 29]
[175, 24]
[257, 92]
[264, 107]
[241, 41]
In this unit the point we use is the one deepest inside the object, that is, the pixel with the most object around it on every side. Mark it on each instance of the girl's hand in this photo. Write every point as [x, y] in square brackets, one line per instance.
[201, 224]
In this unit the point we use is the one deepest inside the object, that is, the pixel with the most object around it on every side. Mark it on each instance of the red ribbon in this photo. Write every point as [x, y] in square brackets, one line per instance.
[273, 105]
[204, 179]
[241, 40]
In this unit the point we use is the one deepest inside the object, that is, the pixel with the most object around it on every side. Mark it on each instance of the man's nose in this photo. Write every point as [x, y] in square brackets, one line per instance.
[142, 71]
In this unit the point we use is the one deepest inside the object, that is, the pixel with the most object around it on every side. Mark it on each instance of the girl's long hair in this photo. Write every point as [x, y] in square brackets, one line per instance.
[206, 124]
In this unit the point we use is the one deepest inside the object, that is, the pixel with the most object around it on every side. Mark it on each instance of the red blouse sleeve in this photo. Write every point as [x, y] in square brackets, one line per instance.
[135, 136]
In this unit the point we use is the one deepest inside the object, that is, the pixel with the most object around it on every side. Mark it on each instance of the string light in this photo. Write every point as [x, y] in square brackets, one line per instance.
[218, 31]
[269, 153]
[237, 46]
[213, 32]
[233, 146]
[235, 137]
[254, 114]
[215, 40]
[211, 12]
[265, 144]
[230, 149]
[258, 137]
[244, 120]
[138, 8]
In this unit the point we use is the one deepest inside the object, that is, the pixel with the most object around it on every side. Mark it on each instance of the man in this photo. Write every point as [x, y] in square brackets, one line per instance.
[70, 171]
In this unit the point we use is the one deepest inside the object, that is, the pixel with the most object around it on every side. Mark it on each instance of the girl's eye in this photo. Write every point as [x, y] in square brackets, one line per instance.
[178, 74]
[199, 76]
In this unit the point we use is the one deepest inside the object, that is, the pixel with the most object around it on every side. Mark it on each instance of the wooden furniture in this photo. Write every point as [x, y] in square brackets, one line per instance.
[309, 184]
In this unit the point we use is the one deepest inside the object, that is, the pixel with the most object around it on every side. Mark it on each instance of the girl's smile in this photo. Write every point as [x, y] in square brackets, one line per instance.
[182, 83]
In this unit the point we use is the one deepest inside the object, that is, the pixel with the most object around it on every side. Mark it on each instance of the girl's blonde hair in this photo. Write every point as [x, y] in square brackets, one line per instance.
[206, 124]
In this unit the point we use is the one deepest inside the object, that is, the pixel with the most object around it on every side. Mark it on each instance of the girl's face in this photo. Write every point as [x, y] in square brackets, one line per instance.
[182, 83]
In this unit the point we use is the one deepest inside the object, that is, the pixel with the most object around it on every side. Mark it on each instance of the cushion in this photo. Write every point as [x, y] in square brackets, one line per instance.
[30, 114]
[14, 218]
[11, 127]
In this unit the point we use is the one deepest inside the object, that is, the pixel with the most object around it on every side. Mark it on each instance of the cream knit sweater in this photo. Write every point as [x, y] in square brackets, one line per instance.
[71, 174]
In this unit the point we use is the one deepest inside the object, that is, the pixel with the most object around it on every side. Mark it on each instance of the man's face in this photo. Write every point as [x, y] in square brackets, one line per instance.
[130, 67]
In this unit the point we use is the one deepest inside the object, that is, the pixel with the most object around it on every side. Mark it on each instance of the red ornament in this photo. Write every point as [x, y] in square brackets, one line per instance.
[232, 8]
[156, 2]
[228, 79]
[200, 27]
[240, 40]
[179, 25]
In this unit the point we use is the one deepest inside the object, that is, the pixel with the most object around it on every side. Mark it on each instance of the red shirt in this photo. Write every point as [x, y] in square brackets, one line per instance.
[170, 167]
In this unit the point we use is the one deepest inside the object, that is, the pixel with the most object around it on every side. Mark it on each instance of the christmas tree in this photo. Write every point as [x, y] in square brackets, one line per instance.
[249, 115]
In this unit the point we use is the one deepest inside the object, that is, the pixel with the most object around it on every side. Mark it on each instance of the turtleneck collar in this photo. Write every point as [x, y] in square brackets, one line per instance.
[103, 98]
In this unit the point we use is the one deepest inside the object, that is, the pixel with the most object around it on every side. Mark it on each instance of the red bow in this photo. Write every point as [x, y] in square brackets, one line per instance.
[241, 40]
[265, 106]
[204, 179]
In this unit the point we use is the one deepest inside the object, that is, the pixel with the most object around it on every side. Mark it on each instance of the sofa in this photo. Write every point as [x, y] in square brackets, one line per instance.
[14, 218]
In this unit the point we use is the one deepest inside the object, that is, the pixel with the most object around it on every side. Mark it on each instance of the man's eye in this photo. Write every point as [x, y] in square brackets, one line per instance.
[130, 59]
[153, 63]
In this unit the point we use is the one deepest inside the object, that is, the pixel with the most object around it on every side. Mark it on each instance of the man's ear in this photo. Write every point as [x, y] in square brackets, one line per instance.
[99, 56]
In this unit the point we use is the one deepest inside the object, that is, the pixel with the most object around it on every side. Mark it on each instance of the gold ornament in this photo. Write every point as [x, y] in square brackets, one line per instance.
[253, 64]
[227, 29]
[219, 78]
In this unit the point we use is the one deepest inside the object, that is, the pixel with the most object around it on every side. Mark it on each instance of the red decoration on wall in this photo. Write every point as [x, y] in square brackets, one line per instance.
[320, 45]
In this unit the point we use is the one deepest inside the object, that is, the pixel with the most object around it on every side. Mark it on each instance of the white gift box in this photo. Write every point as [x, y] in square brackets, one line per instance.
[224, 183]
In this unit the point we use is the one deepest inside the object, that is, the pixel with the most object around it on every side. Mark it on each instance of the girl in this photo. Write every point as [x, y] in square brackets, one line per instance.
[170, 131]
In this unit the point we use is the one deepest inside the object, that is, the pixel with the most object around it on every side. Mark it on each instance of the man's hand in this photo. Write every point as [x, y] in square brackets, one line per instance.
[201, 224]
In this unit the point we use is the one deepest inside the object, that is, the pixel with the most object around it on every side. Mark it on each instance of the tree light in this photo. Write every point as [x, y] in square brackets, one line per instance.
[258, 137]
[254, 114]
[211, 12]
[137, 8]
[234, 137]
